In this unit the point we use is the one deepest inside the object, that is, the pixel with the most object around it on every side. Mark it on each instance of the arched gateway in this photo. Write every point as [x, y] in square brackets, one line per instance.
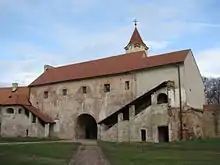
[86, 127]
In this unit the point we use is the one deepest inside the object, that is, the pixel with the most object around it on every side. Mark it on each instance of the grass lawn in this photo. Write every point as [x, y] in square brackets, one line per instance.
[198, 152]
[37, 154]
[25, 139]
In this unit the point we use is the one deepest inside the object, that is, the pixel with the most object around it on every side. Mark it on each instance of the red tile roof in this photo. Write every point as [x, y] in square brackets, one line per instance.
[38, 113]
[19, 96]
[108, 66]
[136, 38]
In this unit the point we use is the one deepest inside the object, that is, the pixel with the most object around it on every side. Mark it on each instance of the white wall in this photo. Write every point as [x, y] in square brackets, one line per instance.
[148, 79]
[194, 85]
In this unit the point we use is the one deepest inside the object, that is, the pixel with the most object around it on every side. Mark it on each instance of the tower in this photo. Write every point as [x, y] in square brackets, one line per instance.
[136, 43]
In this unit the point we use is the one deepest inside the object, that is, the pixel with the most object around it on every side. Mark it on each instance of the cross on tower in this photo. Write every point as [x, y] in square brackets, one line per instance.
[135, 22]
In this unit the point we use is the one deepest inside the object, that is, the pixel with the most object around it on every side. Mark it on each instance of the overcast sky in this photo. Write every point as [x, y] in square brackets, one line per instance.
[59, 32]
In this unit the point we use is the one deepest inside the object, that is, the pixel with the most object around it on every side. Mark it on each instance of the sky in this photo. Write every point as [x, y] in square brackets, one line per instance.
[60, 32]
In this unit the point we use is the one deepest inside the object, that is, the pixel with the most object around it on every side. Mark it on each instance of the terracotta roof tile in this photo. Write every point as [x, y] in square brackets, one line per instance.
[20, 96]
[108, 66]
[38, 113]
[136, 37]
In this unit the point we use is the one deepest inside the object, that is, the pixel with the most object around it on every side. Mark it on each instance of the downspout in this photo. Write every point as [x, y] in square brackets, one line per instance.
[180, 103]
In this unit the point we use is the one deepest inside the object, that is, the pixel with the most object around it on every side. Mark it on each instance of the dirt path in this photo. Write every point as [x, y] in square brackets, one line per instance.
[88, 154]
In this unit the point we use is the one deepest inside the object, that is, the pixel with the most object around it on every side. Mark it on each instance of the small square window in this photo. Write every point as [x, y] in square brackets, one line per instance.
[45, 94]
[127, 85]
[64, 92]
[84, 89]
[107, 88]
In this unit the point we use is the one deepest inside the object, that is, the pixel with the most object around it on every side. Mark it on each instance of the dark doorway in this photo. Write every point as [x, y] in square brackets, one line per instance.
[86, 127]
[143, 135]
[163, 134]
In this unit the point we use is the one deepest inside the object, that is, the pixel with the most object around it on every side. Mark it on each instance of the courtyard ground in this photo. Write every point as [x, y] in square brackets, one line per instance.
[198, 152]
[37, 154]
[25, 139]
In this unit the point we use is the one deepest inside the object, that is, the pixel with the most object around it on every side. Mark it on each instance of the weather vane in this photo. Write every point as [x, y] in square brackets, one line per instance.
[135, 22]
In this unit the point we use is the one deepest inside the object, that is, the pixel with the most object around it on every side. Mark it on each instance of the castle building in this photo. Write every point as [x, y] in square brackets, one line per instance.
[134, 96]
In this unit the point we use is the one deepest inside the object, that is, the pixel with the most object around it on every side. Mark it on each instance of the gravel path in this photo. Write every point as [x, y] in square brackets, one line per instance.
[89, 155]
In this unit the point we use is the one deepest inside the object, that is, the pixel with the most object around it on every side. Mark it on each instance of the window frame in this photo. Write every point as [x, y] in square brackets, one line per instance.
[84, 89]
[127, 85]
[64, 92]
[107, 88]
[46, 94]
[10, 112]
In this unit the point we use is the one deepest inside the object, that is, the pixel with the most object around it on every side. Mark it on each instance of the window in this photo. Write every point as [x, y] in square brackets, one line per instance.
[64, 92]
[127, 85]
[10, 110]
[162, 98]
[34, 119]
[19, 110]
[107, 88]
[45, 94]
[84, 89]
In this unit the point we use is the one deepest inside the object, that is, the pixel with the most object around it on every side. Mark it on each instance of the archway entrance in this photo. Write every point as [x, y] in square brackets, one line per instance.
[86, 127]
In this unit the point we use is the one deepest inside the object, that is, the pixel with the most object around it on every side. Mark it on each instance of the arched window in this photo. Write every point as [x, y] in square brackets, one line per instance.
[162, 98]
[10, 110]
[19, 110]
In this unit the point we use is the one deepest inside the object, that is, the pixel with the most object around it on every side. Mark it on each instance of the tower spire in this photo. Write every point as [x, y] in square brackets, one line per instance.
[136, 43]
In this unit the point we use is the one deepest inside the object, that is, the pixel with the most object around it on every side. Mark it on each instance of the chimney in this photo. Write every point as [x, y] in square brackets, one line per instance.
[14, 87]
[46, 67]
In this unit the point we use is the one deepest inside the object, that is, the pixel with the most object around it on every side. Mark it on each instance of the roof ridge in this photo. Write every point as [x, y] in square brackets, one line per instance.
[162, 54]
[104, 58]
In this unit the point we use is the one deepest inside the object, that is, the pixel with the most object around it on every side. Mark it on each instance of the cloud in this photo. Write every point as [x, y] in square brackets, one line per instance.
[62, 32]
[208, 62]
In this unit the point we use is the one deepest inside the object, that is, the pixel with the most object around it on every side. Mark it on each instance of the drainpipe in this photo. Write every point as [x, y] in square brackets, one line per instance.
[180, 103]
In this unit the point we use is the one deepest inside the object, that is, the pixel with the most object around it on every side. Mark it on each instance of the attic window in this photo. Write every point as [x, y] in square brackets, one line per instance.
[64, 92]
[45, 94]
[84, 89]
[10, 110]
[107, 88]
[127, 85]
[19, 110]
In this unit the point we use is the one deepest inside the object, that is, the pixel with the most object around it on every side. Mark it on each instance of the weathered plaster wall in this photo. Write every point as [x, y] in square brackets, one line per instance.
[95, 102]
[194, 86]
[15, 124]
[211, 121]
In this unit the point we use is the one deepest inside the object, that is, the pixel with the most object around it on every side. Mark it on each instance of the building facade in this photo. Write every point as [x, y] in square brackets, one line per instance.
[129, 97]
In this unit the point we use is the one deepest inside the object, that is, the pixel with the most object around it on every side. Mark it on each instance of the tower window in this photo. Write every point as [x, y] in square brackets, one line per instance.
[64, 92]
[84, 89]
[45, 94]
[127, 85]
[107, 88]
